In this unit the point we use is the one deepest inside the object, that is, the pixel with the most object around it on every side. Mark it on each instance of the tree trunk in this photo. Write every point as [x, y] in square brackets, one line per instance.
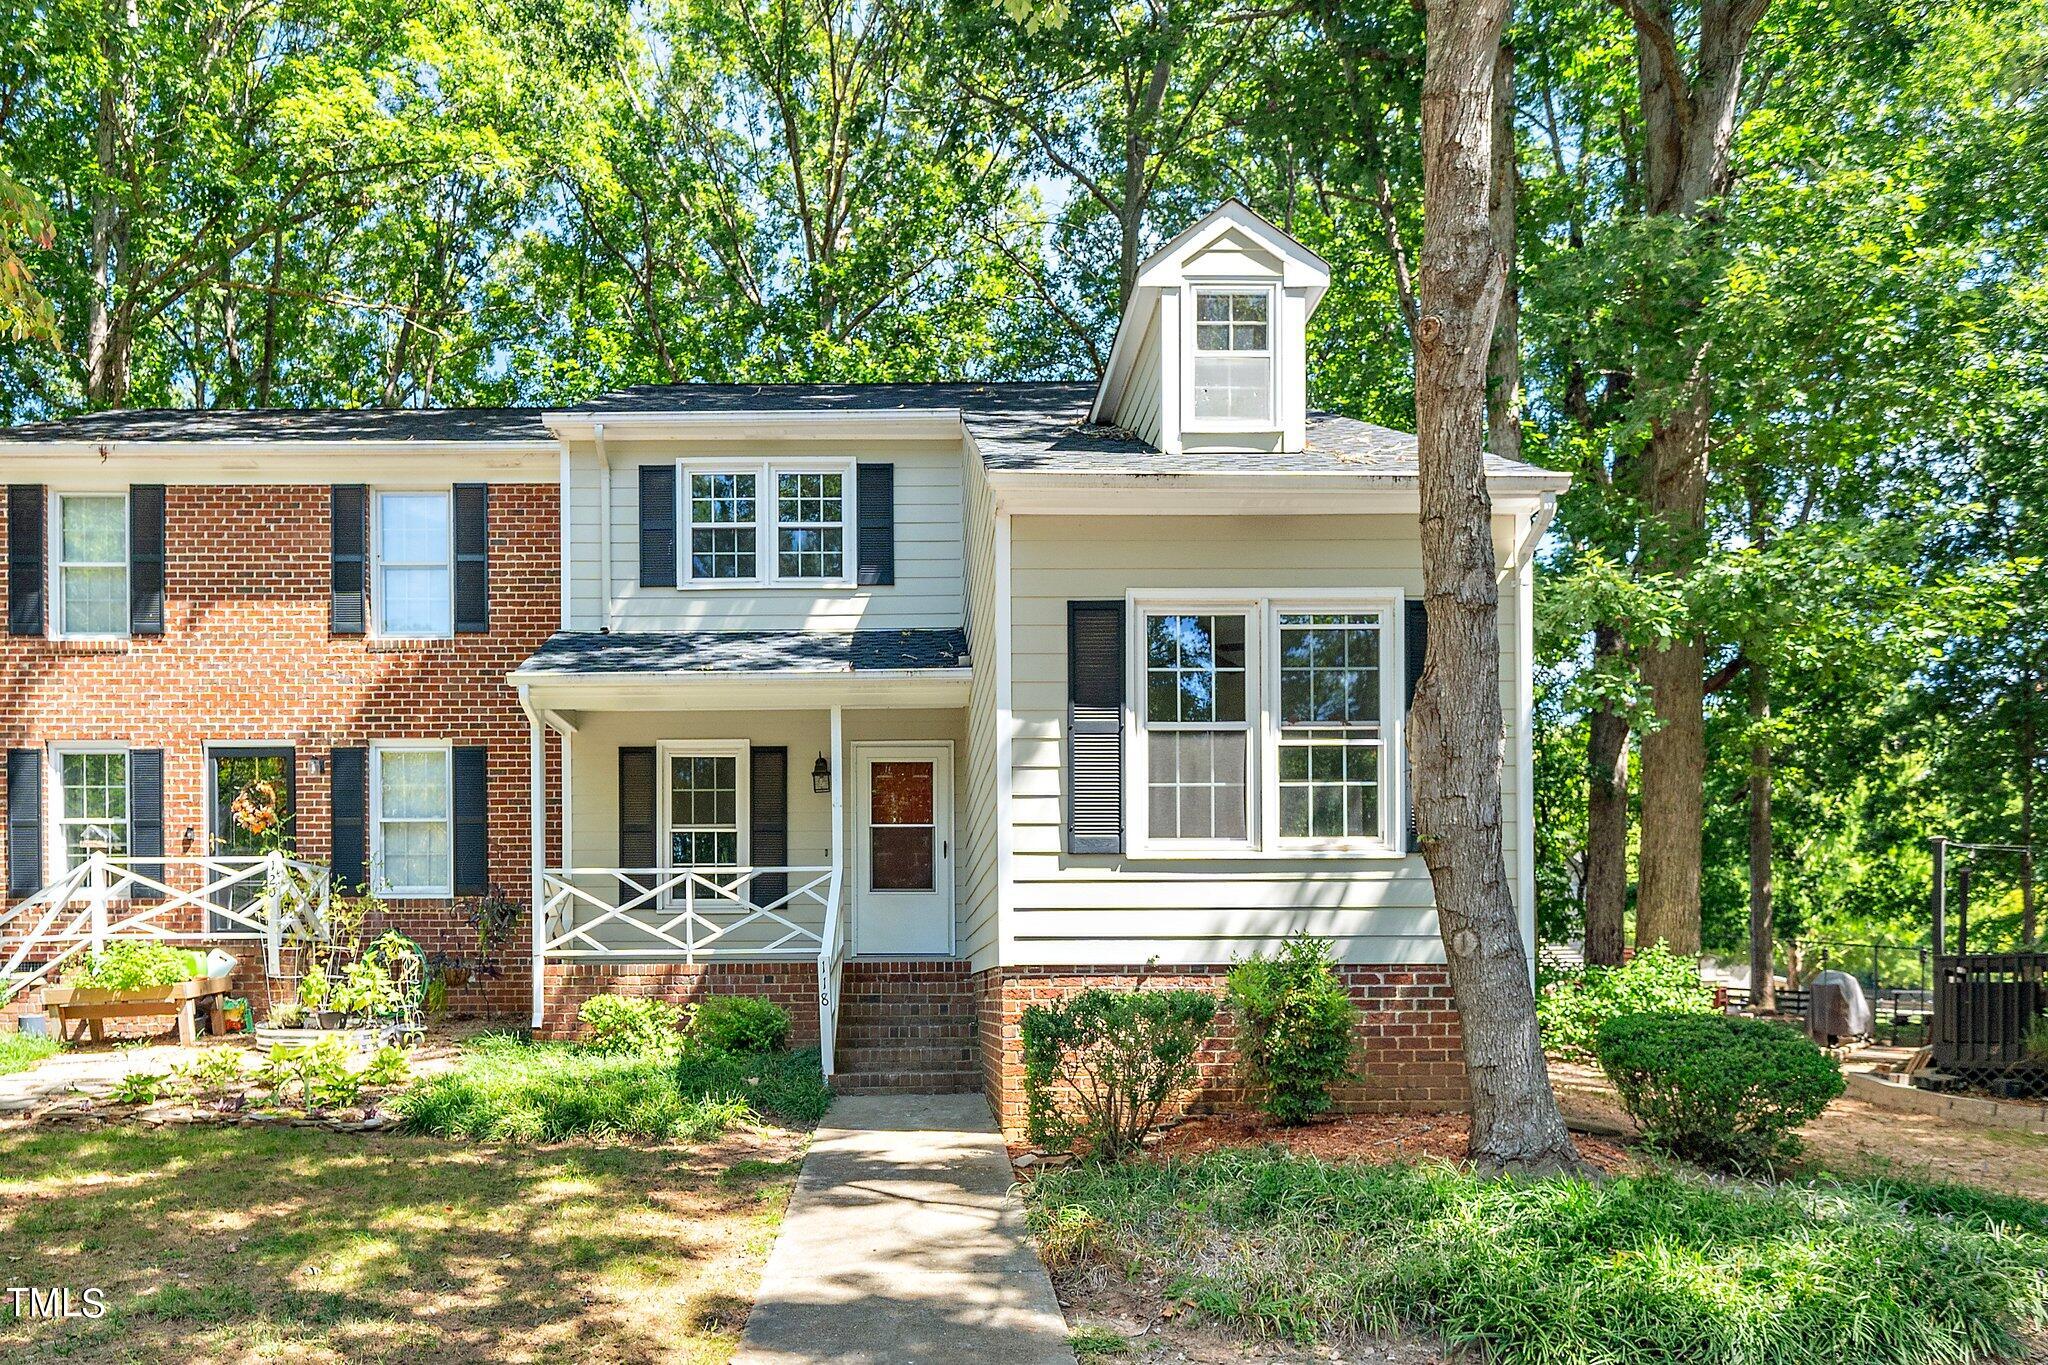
[1455, 743]
[1606, 821]
[109, 329]
[1688, 133]
[1504, 358]
[1763, 992]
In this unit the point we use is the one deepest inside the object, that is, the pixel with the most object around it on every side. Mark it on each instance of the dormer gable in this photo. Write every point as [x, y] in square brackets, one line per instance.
[1211, 353]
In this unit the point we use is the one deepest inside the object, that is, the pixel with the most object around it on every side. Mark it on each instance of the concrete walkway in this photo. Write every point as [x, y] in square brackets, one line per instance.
[903, 1243]
[92, 1073]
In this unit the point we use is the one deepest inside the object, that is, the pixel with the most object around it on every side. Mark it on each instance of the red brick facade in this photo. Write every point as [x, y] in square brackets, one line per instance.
[1408, 1045]
[246, 655]
[792, 985]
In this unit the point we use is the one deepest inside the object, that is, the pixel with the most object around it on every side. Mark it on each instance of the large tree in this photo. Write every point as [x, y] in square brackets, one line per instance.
[1455, 741]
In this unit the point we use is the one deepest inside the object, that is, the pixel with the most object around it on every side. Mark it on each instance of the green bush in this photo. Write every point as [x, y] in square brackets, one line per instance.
[789, 1086]
[1724, 1092]
[1294, 1027]
[1573, 1005]
[1100, 1065]
[1632, 1270]
[130, 965]
[510, 1090]
[630, 1023]
[738, 1023]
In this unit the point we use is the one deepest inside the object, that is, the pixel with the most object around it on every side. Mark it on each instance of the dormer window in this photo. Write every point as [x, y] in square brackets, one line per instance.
[1232, 365]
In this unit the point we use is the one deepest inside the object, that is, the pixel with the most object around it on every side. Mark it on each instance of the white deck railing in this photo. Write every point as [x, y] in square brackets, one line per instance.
[108, 897]
[715, 914]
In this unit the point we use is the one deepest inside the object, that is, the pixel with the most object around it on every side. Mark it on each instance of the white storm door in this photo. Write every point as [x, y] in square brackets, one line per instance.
[903, 850]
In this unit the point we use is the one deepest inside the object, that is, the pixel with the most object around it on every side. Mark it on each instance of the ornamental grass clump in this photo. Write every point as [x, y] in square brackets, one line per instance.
[1724, 1092]
[1632, 1270]
[1100, 1066]
[1294, 1028]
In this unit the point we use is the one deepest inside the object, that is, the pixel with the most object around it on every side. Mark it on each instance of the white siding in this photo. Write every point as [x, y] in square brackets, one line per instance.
[979, 898]
[927, 591]
[1139, 411]
[1123, 909]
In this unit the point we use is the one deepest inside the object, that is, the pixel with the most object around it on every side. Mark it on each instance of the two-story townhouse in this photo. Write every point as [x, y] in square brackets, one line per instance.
[905, 704]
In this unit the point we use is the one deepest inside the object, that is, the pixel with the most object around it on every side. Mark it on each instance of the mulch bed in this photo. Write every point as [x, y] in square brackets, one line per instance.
[1380, 1139]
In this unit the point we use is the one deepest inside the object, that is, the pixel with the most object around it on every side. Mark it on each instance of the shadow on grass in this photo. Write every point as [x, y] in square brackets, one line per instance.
[247, 1242]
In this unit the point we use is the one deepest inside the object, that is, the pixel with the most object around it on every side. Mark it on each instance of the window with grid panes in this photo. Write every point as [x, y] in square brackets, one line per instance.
[723, 522]
[1197, 734]
[1331, 749]
[810, 525]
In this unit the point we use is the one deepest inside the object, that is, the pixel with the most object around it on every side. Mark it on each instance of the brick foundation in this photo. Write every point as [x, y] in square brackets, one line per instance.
[1408, 1043]
[792, 985]
[246, 655]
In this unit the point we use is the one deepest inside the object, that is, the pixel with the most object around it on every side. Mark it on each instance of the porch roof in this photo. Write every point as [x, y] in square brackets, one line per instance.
[652, 654]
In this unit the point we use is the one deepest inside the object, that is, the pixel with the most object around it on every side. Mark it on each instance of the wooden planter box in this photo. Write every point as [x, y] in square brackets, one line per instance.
[93, 1005]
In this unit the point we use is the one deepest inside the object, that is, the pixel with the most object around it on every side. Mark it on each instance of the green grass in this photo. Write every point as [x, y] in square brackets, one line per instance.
[268, 1244]
[20, 1051]
[1097, 1343]
[1632, 1271]
[508, 1089]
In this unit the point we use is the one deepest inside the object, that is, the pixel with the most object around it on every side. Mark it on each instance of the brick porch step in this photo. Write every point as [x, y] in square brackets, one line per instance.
[906, 1029]
[908, 1083]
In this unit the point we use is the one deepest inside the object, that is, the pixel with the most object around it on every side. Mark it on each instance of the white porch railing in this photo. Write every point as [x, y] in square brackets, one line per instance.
[700, 913]
[106, 898]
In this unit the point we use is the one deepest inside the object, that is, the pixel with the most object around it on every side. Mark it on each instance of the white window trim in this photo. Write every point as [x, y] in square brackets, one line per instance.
[1262, 705]
[378, 748]
[1137, 800]
[1387, 603]
[58, 564]
[375, 561]
[53, 839]
[1191, 293]
[741, 751]
[767, 522]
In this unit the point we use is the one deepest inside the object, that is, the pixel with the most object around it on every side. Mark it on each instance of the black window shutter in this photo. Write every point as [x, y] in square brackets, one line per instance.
[636, 808]
[348, 612]
[472, 822]
[657, 527]
[472, 558]
[24, 821]
[1095, 727]
[768, 820]
[146, 559]
[26, 530]
[349, 790]
[1415, 645]
[146, 816]
[875, 497]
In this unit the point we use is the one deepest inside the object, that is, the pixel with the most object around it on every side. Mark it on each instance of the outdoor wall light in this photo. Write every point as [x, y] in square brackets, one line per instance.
[821, 776]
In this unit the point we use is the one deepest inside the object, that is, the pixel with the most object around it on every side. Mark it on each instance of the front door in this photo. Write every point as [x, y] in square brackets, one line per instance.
[903, 850]
[233, 771]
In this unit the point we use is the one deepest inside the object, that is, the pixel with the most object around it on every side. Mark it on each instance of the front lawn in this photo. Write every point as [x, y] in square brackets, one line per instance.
[20, 1051]
[508, 1089]
[299, 1244]
[1632, 1271]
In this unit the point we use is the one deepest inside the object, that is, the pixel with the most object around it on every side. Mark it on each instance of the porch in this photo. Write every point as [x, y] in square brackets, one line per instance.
[740, 826]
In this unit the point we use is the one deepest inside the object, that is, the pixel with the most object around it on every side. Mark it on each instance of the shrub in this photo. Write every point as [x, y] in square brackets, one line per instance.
[1294, 1026]
[322, 1074]
[1100, 1065]
[130, 965]
[630, 1023]
[388, 1067]
[215, 1071]
[1724, 1092]
[738, 1023]
[1655, 981]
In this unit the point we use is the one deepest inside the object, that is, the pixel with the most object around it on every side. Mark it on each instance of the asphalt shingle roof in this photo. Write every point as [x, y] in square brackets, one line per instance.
[1019, 428]
[749, 651]
[291, 424]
